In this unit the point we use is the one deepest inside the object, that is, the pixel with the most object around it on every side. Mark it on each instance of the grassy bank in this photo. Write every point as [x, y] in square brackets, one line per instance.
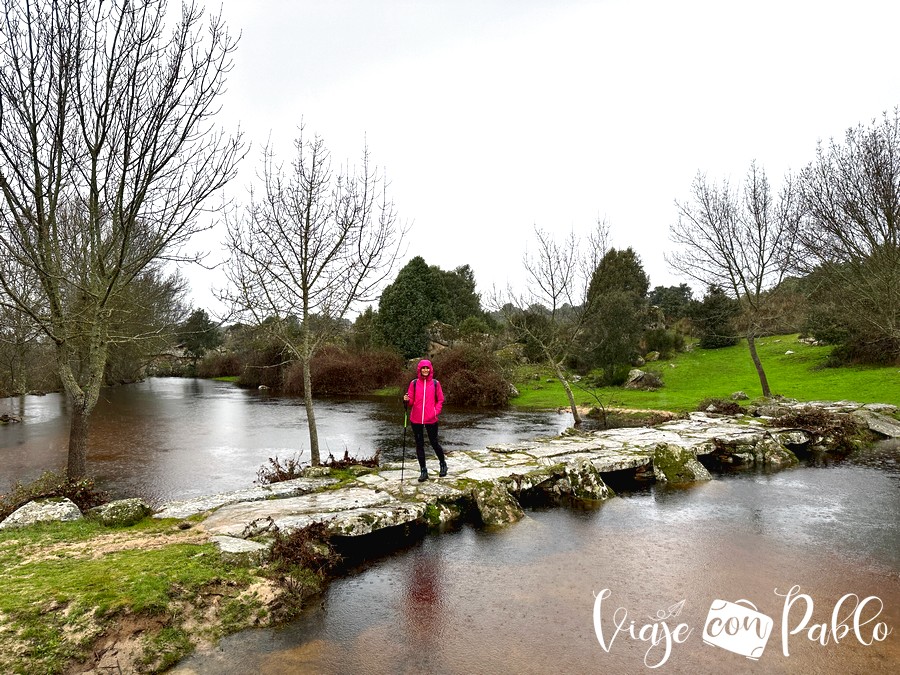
[693, 376]
[142, 594]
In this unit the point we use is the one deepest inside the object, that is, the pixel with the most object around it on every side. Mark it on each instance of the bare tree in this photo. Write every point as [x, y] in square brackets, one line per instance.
[107, 156]
[143, 323]
[741, 240]
[311, 246]
[554, 310]
[852, 227]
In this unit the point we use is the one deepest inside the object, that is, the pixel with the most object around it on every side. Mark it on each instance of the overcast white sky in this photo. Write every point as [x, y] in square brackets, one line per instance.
[493, 116]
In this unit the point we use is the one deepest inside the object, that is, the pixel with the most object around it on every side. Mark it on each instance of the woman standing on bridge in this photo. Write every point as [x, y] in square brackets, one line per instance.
[426, 398]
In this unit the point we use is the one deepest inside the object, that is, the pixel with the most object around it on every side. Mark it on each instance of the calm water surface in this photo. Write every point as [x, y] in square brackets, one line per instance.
[174, 438]
[520, 600]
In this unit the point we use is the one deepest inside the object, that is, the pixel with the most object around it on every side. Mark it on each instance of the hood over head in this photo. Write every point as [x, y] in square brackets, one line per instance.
[425, 362]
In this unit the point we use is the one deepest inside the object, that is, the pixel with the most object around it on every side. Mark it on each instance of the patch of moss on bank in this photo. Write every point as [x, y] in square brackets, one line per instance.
[67, 585]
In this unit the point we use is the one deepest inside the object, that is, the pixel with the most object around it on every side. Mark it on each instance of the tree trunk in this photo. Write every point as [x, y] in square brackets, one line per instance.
[83, 393]
[78, 441]
[314, 458]
[751, 344]
[565, 383]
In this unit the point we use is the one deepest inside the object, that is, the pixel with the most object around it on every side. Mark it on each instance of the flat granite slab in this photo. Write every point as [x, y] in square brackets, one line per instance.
[343, 506]
[379, 499]
[284, 489]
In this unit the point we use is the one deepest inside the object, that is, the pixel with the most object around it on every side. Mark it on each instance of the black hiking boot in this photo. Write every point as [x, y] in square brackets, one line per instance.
[423, 475]
[443, 471]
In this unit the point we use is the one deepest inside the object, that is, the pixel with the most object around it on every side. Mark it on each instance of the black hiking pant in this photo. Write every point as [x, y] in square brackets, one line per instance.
[419, 434]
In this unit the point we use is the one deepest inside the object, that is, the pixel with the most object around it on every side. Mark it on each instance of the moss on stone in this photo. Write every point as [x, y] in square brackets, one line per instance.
[674, 464]
[495, 504]
[121, 513]
[432, 515]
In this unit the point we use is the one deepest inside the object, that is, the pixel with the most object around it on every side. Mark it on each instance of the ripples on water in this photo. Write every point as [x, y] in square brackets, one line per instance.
[520, 600]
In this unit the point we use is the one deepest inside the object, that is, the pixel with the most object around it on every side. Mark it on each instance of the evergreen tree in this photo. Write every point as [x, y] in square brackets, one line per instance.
[415, 299]
[464, 302]
[199, 334]
[674, 301]
[618, 297]
[714, 318]
[366, 333]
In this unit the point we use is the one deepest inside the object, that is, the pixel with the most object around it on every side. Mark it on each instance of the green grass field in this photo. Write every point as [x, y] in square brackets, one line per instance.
[702, 373]
[58, 596]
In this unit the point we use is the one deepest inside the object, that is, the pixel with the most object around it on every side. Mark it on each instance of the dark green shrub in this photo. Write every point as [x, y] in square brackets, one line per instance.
[714, 319]
[857, 350]
[473, 327]
[666, 342]
[615, 377]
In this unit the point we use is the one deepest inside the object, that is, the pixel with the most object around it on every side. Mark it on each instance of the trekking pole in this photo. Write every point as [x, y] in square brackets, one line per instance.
[403, 459]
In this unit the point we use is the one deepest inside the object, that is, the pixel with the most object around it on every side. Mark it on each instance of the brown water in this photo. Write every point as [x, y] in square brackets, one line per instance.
[172, 438]
[521, 600]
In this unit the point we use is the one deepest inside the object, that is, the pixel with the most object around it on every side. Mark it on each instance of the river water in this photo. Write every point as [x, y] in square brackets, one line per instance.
[172, 438]
[523, 599]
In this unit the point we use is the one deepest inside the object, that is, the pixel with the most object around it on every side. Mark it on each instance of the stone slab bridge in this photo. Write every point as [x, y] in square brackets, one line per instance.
[487, 484]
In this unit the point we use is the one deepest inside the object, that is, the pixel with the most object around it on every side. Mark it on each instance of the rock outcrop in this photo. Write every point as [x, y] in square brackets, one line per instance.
[495, 505]
[674, 464]
[879, 423]
[489, 483]
[43, 511]
[121, 513]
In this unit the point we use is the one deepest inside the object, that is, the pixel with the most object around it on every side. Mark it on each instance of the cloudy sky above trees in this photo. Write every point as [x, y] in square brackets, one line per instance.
[493, 116]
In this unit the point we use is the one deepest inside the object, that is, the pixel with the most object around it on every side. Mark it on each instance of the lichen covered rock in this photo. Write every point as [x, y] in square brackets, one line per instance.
[357, 522]
[880, 424]
[770, 452]
[121, 513]
[540, 479]
[799, 437]
[442, 514]
[581, 480]
[241, 552]
[674, 464]
[495, 504]
[43, 511]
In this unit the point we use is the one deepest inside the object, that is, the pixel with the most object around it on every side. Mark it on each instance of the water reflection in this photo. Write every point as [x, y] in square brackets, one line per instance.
[166, 439]
[423, 608]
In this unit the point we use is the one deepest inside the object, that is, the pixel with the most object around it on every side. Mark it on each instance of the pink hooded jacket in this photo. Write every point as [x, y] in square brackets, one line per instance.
[426, 398]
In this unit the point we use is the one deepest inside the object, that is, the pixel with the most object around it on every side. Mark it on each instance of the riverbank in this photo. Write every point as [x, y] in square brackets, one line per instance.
[85, 599]
[794, 369]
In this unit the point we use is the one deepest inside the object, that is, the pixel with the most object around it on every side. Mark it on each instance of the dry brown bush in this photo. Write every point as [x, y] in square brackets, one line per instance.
[336, 371]
[471, 376]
